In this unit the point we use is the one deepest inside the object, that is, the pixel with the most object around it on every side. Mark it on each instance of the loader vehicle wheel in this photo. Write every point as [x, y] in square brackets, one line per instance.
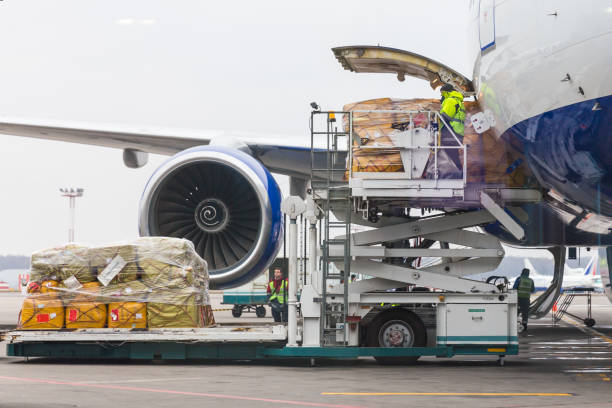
[397, 328]
[588, 322]
[237, 311]
[260, 311]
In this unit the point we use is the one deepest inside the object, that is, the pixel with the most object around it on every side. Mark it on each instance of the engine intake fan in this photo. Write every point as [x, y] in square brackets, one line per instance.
[225, 202]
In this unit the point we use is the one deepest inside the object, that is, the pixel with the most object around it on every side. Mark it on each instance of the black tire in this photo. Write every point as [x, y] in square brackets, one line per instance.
[588, 322]
[405, 321]
[237, 311]
[260, 311]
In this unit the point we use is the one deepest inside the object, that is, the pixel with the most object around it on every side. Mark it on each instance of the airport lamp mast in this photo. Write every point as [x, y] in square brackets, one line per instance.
[72, 194]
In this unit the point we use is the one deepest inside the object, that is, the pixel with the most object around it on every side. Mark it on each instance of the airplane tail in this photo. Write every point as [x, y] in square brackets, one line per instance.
[591, 268]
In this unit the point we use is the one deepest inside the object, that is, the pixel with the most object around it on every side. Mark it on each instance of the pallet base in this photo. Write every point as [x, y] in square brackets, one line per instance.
[205, 351]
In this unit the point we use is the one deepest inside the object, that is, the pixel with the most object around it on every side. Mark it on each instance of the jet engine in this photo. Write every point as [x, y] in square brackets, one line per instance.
[225, 202]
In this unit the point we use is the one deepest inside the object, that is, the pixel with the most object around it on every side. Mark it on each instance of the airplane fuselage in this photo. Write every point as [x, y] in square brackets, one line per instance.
[543, 69]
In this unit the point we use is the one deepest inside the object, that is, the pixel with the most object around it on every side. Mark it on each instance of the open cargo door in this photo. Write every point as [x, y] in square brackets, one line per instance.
[367, 58]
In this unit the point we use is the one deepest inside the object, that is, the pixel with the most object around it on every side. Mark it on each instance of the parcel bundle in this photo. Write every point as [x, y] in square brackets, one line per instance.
[149, 282]
[176, 308]
[42, 311]
[490, 160]
[127, 307]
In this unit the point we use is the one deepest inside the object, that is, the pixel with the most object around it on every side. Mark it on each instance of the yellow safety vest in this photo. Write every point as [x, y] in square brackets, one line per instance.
[524, 287]
[280, 295]
[453, 108]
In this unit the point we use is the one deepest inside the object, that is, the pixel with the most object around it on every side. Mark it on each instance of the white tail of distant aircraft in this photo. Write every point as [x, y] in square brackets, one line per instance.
[587, 277]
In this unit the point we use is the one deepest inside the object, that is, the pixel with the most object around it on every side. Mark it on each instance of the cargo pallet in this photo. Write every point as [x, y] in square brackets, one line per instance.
[219, 343]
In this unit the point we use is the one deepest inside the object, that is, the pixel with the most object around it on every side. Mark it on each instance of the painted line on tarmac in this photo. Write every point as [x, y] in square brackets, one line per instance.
[174, 392]
[145, 380]
[453, 394]
[587, 330]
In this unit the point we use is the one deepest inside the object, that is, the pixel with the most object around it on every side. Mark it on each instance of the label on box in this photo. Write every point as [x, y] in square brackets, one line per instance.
[72, 283]
[42, 318]
[53, 315]
[139, 316]
[112, 269]
[73, 315]
[114, 315]
[41, 305]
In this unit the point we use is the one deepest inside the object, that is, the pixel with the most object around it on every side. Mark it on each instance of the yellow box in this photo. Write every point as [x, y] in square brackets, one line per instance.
[127, 315]
[48, 287]
[41, 312]
[85, 315]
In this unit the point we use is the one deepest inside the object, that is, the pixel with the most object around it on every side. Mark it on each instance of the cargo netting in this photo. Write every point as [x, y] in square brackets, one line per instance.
[151, 282]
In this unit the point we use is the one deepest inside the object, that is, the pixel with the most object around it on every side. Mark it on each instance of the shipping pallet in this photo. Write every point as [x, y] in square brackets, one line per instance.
[168, 350]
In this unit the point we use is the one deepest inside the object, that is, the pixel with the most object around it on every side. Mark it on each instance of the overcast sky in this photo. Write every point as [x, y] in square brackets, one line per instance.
[235, 66]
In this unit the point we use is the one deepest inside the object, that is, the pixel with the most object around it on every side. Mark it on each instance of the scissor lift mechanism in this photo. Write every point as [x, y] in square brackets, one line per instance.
[345, 198]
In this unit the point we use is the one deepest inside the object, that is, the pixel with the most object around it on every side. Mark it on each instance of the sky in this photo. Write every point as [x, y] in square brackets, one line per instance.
[240, 66]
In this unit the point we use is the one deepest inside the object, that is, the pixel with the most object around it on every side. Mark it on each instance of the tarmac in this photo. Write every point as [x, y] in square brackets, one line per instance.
[563, 364]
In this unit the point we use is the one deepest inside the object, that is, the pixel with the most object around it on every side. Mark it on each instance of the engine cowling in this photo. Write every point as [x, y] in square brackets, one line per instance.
[225, 202]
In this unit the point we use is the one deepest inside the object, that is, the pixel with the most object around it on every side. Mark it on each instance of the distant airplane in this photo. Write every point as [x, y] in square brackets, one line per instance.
[573, 278]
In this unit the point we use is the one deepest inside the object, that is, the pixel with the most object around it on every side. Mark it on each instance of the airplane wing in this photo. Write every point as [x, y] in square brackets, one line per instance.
[280, 156]
[292, 159]
[142, 140]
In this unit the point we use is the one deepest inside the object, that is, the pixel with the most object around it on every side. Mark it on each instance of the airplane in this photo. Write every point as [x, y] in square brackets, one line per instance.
[541, 78]
[573, 278]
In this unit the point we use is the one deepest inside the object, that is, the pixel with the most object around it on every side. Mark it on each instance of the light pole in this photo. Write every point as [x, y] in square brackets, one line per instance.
[72, 194]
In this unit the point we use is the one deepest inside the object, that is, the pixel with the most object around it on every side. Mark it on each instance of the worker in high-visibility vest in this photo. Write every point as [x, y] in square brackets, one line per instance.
[525, 286]
[277, 296]
[452, 111]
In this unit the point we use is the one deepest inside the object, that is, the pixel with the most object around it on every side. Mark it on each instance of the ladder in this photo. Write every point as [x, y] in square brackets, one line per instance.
[331, 191]
[565, 302]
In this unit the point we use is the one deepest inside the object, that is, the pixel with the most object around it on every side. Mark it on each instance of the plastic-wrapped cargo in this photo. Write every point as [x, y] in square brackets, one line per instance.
[127, 315]
[181, 308]
[41, 311]
[490, 160]
[149, 282]
[85, 315]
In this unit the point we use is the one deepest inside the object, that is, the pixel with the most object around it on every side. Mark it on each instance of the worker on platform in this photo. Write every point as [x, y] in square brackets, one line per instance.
[277, 296]
[452, 111]
[525, 286]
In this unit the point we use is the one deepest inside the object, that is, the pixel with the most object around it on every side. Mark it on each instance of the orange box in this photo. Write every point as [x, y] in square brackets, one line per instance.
[127, 315]
[41, 312]
[88, 292]
[48, 287]
[85, 315]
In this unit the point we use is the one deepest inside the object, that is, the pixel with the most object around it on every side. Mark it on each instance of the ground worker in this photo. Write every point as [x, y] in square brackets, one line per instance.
[452, 111]
[525, 286]
[277, 296]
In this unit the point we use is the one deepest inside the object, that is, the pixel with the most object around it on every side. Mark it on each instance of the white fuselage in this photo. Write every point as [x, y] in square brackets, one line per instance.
[536, 45]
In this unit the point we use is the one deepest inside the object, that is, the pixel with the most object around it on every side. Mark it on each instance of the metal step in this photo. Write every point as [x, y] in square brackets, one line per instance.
[335, 259]
[335, 312]
[336, 241]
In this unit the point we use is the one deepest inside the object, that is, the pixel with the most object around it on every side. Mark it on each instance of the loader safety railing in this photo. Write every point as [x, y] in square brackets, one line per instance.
[388, 153]
[418, 134]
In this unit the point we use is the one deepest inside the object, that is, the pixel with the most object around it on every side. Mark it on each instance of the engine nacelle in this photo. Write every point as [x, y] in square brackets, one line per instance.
[225, 202]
